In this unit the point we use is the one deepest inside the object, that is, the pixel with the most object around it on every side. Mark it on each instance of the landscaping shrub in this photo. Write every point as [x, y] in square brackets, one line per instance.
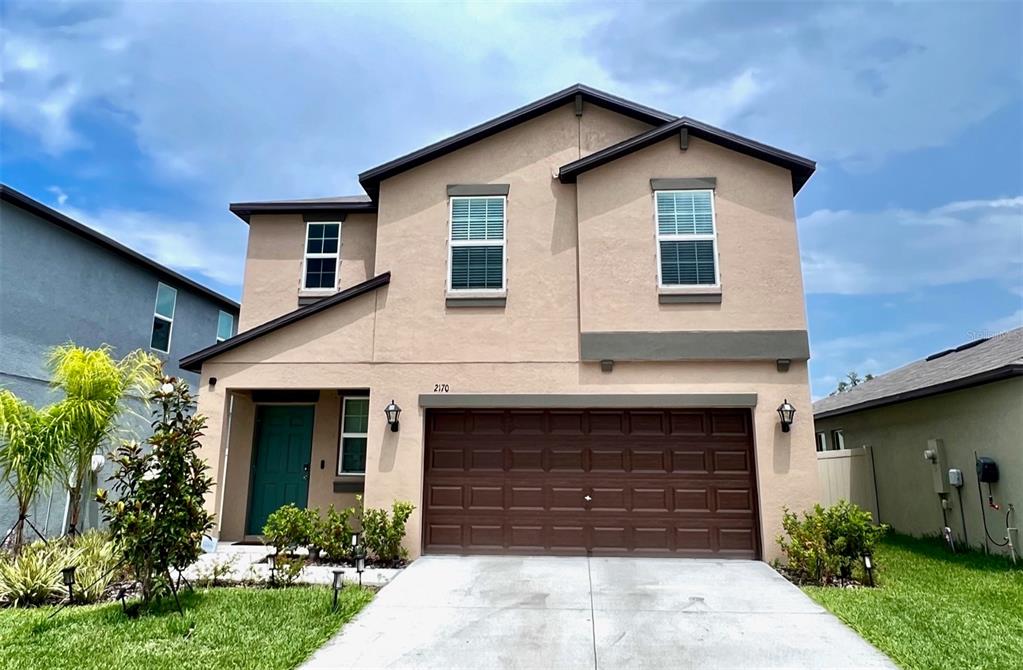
[32, 577]
[332, 534]
[826, 543]
[160, 518]
[289, 527]
[98, 564]
[383, 533]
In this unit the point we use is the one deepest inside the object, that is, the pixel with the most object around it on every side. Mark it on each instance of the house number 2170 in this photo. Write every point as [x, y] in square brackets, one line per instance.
[440, 388]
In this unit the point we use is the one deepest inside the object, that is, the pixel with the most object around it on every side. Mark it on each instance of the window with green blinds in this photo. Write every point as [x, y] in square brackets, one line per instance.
[686, 239]
[477, 243]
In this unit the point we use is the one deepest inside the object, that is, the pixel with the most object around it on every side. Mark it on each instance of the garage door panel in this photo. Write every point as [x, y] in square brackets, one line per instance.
[659, 482]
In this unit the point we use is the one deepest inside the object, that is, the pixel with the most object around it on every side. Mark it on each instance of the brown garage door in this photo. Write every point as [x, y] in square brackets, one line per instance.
[606, 482]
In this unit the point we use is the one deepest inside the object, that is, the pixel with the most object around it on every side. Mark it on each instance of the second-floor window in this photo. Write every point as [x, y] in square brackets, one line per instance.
[163, 318]
[686, 238]
[225, 326]
[476, 257]
[837, 439]
[322, 242]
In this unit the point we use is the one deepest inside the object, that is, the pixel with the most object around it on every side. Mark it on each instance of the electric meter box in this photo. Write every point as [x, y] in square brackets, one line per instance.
[955, 477]
[987, 470]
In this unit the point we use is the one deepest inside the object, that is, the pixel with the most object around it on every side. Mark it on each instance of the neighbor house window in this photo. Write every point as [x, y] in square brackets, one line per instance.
[476, 253]
[225, 326]
[322, 242]
[822, 442]
[837, 439]
[163, 318]
[686, 239]
[354, 426]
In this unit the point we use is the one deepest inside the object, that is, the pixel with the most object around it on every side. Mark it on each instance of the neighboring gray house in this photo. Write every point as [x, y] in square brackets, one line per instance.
[61, 281]
[929, 417]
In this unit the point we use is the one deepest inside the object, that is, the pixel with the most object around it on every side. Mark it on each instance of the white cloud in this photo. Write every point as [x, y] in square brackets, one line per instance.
[186, 246]
[899, 250]
[852, 82]
[59, 193]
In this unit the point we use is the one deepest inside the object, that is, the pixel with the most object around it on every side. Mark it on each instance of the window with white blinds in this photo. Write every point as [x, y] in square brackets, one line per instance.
[686, 238]
[476, 258]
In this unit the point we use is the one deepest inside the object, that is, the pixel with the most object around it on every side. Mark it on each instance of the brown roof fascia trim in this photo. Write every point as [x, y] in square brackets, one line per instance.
[987, 377]
[244, 210]
[193, 362]
[370, 179]
[800, 167]
[19, 199]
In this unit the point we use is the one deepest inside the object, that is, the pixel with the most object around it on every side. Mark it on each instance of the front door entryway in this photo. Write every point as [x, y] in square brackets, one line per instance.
[280, 461]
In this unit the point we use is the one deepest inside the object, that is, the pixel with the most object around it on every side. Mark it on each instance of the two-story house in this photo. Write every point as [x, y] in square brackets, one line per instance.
[62, 281]
[588, 313]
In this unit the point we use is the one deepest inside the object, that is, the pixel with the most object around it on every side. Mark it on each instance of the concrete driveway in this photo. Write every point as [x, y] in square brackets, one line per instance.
[487, 612]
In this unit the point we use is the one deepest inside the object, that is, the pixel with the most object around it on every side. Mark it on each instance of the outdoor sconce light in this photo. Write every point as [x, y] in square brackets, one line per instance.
[68, 574]
[868, 564]
[338, 584]
[213, 383]
[271, 562]
[786, 412]
[392, 411]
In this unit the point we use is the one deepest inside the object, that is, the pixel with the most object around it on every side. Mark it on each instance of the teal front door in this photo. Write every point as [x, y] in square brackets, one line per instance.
[280, 461]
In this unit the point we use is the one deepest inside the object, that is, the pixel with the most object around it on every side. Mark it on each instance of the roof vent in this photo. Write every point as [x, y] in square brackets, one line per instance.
[939, 354]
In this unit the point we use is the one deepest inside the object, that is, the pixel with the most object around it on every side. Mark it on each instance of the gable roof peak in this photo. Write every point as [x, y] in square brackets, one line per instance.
[370, 179]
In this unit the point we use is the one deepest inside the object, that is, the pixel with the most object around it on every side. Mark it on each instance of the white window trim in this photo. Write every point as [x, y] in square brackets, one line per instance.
[336, 256]
[341, 439]
[837, 439]
[231, 316]
[174, 310]
[452, 243]
[713, 237]
[822, 441]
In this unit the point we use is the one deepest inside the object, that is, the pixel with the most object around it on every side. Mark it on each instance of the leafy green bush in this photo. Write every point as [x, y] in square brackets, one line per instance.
[825, 544]
[33, 576]
[97, 560]
[289, 527]
[160, 518]
[332, 534]
[383, 533]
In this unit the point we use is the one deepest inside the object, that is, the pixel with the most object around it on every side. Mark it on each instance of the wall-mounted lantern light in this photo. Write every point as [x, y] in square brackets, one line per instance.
[68, 574]
[338, 584]
[786, 412]
[393, 412]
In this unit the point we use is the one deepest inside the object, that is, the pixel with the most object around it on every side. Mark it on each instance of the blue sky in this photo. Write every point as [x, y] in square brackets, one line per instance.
[146, 119]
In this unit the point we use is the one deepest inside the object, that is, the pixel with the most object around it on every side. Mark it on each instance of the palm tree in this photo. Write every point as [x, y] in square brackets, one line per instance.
[97, 389]
[29, 455]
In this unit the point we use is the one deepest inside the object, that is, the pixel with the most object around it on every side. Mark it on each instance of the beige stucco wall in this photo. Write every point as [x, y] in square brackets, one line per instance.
[401, 341]
[235, 459]
[988, 419]
[762, 287]
[786, 462]
[273, 262]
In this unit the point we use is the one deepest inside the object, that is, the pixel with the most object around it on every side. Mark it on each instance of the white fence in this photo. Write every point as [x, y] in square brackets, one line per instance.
[848, 474]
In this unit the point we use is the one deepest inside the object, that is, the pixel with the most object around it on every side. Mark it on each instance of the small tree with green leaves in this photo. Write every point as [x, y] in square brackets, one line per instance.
[29, 456]
[851, 381]
[96, 389]
[159, 517]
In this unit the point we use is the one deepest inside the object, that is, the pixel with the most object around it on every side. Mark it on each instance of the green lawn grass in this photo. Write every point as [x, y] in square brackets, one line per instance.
[221, 628]
[933, 609]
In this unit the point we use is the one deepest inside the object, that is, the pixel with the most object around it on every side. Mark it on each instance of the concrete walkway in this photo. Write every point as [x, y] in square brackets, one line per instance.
[506, 612]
